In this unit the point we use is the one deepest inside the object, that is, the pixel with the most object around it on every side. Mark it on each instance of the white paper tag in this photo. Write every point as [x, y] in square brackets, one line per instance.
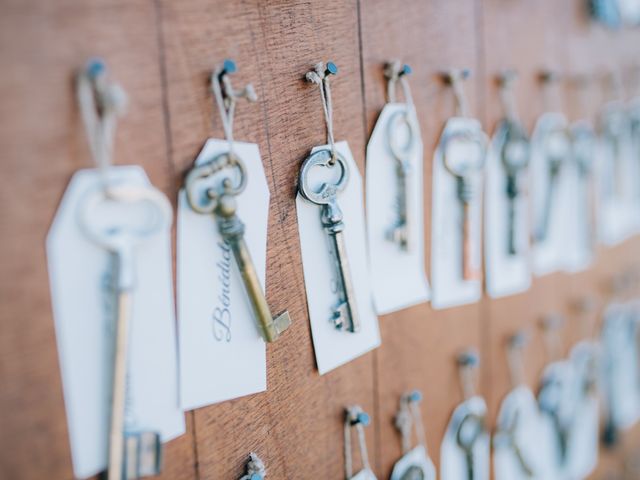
[584, 435]
[414, 464]
[222, 355]
[447, 283]
[620, 375]
[579, 243]
[530, 436]
[507, 273]
[555, 399]
[453, 461]
[549, 200]
[333, 347]
[84, 309]
[398, 278]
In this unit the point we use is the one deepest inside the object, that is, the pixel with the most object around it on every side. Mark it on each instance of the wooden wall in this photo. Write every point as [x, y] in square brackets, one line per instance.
[162, 52]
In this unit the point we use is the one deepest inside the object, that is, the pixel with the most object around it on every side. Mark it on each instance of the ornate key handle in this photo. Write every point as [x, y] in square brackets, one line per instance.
[470, 429]
[583, 145]
[328, 191]
[464, 168]
[121, 240]
[212, 198]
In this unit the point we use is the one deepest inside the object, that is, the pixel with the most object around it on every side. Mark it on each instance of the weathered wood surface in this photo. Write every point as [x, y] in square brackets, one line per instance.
[162, 53]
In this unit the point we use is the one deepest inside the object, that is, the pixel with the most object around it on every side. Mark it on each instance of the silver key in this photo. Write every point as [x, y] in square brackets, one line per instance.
[131, 454]
[515, 158]
[345, 314]
[400, 233]
[556, 149]
[471, 428]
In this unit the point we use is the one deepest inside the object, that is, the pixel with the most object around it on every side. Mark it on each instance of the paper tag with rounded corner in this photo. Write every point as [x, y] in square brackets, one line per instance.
[414, 465]
[451, 220]
[584, 434]
[334, 347]
[507, 262]
[520, 448]
[550, 195]
[394, 190]
[81, 280]
[454, 462]
[222, 354]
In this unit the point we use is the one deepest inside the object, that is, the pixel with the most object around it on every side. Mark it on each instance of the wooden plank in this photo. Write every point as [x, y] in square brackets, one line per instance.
[420, 344]
[43, 144]
[295, 427]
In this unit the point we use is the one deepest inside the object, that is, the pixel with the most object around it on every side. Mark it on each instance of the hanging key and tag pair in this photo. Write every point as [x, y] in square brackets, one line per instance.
[117, 210]
[219, 199]
[465, 449]
[415, 463]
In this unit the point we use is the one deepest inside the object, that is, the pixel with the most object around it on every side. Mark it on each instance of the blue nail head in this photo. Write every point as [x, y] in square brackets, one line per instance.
[363, 418]
[256, 476]
[229, 66]
[96, 67]
[415, 396]
[406, 70]
[331, 69]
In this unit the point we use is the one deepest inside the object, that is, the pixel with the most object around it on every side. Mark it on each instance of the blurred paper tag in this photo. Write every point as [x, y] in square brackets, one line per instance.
[507, 273]
[521, 424]
[398, 279]
[333, 347]
[448, 287]
[222, 354]
[453, 460]
[83, 300]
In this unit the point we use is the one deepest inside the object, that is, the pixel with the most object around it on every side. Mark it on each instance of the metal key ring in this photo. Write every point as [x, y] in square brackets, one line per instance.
[113, 239]
[476, 423]
[555, 158]
[207, 203]
[400, 153]
[322, 158]
[465, 135]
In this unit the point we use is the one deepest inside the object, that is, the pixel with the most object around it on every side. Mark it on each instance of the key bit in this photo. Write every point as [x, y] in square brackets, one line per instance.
[143, 455]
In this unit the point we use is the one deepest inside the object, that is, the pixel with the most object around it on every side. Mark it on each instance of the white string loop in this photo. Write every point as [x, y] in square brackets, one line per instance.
[355, 417]
[455, 78]
[226, 98]
[255, 466]
[396, 72]
[507, 97]
[467, 363]
[320, 76]
[409, 416]
[101, 103]
[553, 342]
[515, 358]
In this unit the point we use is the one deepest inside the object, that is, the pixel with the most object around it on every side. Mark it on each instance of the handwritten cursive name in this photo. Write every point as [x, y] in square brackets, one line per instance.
[222, 311]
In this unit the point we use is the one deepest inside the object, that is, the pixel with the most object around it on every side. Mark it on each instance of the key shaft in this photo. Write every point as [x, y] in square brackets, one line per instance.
[334, 226]
[232, 230]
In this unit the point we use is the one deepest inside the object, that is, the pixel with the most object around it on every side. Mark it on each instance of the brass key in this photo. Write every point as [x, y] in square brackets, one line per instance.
[222, 203]
[131, 454]
[345, 315]
[463, 156]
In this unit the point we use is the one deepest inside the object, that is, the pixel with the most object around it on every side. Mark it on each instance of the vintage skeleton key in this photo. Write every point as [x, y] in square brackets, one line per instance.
[345, 314]
[470, 429]
[464, 155]
[401, 232]
[222, 203]
[131, 454]
[556, 148]
[515, 158]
